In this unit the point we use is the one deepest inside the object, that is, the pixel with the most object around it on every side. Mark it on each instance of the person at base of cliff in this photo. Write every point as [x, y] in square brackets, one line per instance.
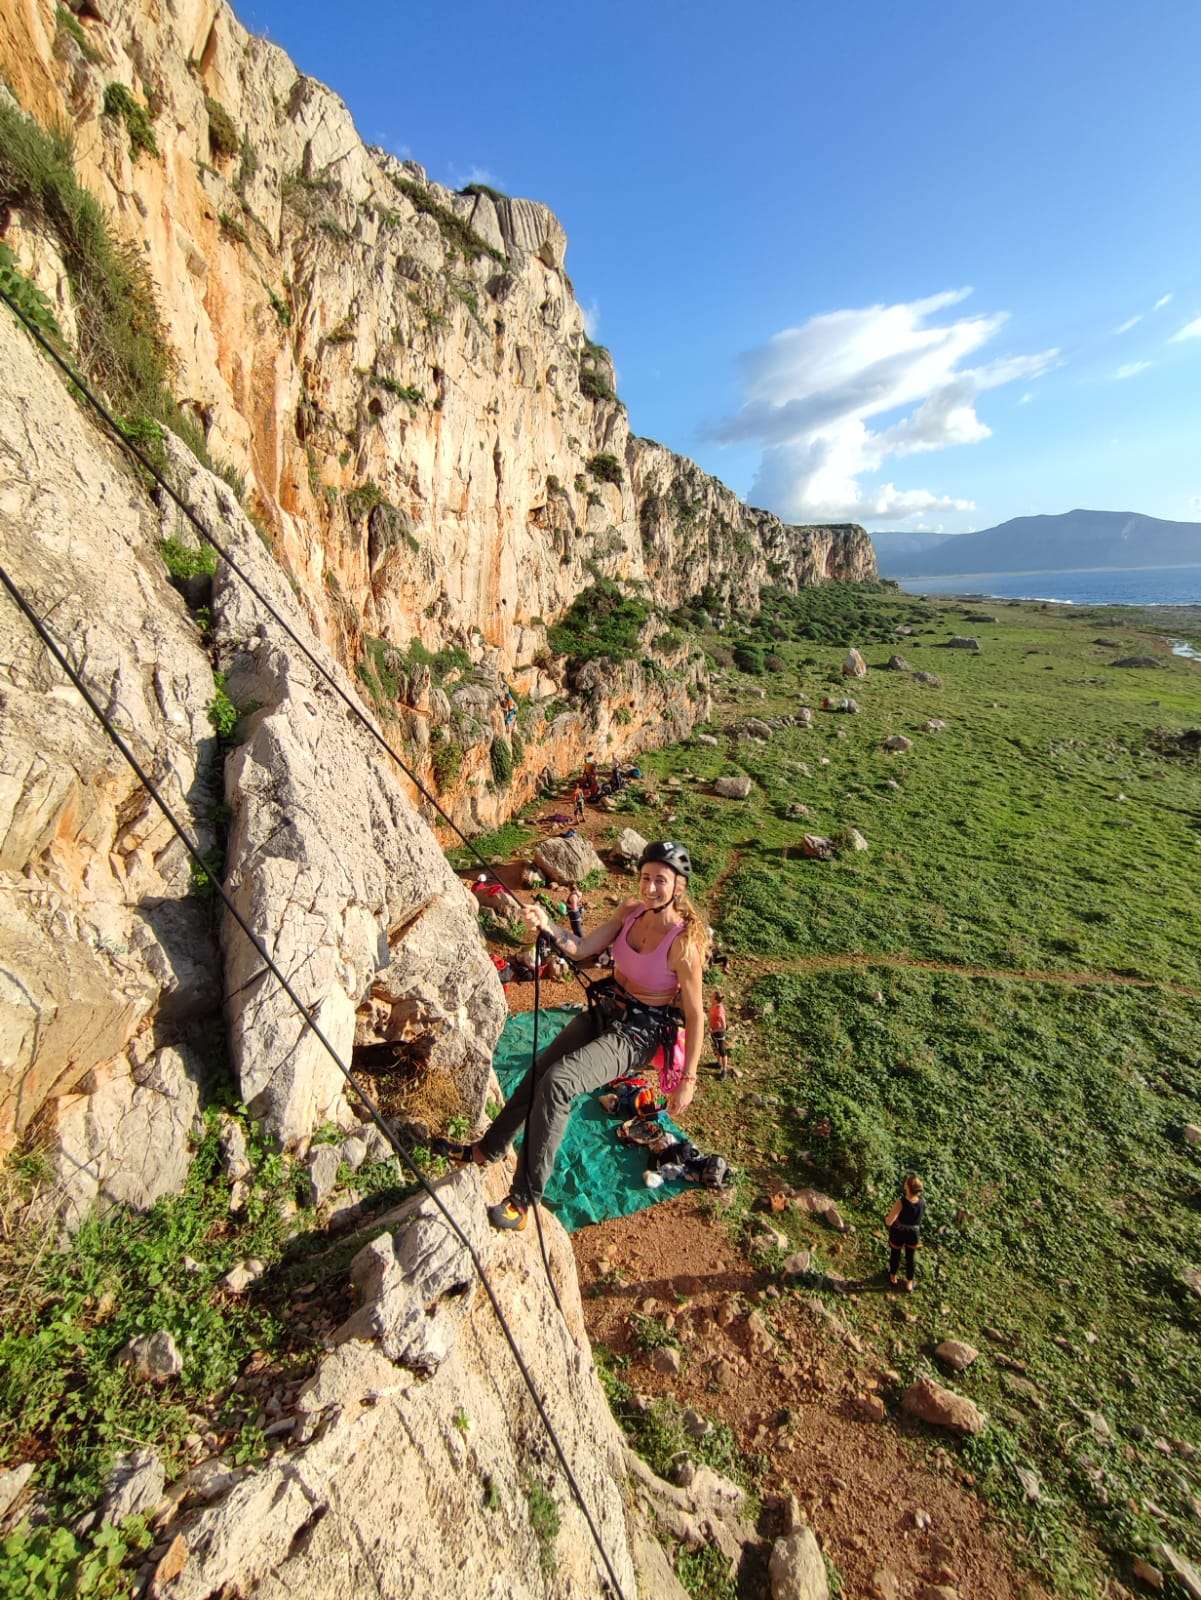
[591, 781]
[577, 801]
[575, 912]
[904, 1224]
[658, 942]
[546, 782]
[717, 1029]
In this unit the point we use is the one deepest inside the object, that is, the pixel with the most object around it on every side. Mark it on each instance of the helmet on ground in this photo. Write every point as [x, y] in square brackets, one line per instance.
[670, 854]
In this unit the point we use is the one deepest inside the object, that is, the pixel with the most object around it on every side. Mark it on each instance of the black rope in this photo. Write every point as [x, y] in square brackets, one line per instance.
[193, 851]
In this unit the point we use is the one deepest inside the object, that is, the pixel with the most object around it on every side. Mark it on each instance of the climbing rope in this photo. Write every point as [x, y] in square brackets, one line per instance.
[36, 622]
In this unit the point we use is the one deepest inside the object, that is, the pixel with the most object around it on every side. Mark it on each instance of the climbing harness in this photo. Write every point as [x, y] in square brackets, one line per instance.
[269, 965]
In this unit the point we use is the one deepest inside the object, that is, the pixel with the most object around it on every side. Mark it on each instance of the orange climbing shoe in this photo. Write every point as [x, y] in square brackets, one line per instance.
[510, 1214]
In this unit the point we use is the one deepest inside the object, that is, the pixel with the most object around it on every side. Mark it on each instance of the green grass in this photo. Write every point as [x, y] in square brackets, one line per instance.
[1045, 1117]
[606, 468]
[545, 1521]
[459, 237]
[601, 621]
[498, 845]
[121, 103]
[70, 23]
[224, 140]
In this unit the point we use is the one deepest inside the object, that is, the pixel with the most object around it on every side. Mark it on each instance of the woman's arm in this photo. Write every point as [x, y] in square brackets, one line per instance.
[692, 1004]
[892, 1214]
[592, 943]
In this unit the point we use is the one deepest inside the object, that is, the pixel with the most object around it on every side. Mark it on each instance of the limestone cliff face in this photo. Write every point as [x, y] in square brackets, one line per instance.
[401, 372]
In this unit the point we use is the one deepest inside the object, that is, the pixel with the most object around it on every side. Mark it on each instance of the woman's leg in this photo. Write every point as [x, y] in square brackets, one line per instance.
[595, 1063]
[894, 1262]
[910, 1257]
[511, 1118]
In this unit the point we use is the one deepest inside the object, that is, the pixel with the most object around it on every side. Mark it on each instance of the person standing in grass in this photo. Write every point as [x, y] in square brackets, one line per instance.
[575, 911]
[904, 1224]
[717, 1028]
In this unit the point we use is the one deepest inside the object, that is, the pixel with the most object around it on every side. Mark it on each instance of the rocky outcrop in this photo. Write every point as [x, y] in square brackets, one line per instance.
[391, 1479]
[402, 373]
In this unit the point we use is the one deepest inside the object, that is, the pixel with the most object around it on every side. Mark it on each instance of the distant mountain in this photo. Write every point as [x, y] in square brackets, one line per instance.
[1074, 539]
[894, 550]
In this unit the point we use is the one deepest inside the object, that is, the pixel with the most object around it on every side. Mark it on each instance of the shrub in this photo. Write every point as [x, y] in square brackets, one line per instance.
[749, 658]
[188, 561]
[667, 642]
[362, 500]
[517, 744]
[402, 391]
[234, 229]
[28, 297]
[381, 669]
[605, 467]
[456, 233]
[281, 308]
[120, 103]
[594, 385]
[601, 621]
[485, 189]
[544, 1520]
[71, 24]
[774, 663]
[224, 139]
[222, 713]
[446, 754]
[553, 486]
[502, 762]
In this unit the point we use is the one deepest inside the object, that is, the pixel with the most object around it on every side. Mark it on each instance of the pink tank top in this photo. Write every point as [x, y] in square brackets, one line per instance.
[647, 969]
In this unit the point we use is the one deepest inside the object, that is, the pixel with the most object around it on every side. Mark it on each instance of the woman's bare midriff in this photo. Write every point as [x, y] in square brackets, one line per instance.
[639, 994]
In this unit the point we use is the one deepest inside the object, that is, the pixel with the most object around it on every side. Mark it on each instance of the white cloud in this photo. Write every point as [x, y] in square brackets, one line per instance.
[1191, 330]
[592, 318]
[1164, 299]
[1130, 368]
[1025, 399]
[1130, 322]
[812, 390]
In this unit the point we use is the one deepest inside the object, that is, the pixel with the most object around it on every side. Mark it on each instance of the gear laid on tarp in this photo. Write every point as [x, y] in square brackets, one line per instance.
[595, 1177]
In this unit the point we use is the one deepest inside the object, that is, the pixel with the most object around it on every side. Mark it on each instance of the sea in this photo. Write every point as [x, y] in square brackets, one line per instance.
[1098, 586]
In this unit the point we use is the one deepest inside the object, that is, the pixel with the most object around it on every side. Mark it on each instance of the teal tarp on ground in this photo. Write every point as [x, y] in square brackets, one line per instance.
[595, 1177]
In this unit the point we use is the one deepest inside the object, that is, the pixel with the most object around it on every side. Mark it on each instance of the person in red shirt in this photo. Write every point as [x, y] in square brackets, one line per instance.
[717, 1027]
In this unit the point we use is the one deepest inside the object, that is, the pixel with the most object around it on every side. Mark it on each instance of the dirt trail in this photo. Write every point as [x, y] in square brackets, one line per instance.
[833, 963]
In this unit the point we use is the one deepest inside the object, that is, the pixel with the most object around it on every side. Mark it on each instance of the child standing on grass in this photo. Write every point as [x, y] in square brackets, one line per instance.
[717, 1028]
[904, 1224]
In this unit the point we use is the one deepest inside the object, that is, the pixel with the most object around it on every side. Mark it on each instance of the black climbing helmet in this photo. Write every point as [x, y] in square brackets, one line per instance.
[671, 855]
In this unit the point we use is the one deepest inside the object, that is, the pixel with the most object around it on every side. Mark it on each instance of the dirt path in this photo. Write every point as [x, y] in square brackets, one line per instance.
[833, 963]
[799, 1397]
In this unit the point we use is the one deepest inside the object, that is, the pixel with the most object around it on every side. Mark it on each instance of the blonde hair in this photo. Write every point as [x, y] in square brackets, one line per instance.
[694, 941]
[913, 1185]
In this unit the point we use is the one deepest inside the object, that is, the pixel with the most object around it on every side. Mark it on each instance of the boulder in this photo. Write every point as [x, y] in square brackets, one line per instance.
[853, 840]
[707, 739]
[666, 1359]
[935, 725]
[815, 847]
[796, 1569]
[897, 664]
[961, 643]
[898, 741]
[1190, 1277]
[1029, 1480]
[841, 703]
[797, 1264]
[1186, 1574]
[567, 860]
[733, 788]
[321, 1172]
[804, 717]
[152, 1355]
[1191, 1134]
[630, 844]
[134, 1487]
[942, 1408]
[241, 1275]
[235, 1160]
[756, 728]
[930, 679]
[12, 1484]
[1136, 661]
[955, 1355]
[854, 666]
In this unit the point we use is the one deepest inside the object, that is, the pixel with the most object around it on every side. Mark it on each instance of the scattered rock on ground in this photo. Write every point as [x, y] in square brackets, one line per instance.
[321, 1171]
[961, 643]
[796, 1568]
[1185, 1572]
[567, 860]
[1031, 1486]
[855, 840]
[898, 741]
[731, 788]
[757, 728]
[942, 1408]
[235, 1161]
[804, 717]
[870, 1407]
[153, 1355]
[935, 725]
[133, 1487]
[1135, 661]
[630, 844]
[854, 666]
[239, 1278]
[797, 1264]
[897, 664]
[1191, 1133]
[930, 679]
[1147, 1574]
[1190, 1277]
[955, 1355]
[816, 847]
[666, 1359]
[12, 1483]
[706, 738]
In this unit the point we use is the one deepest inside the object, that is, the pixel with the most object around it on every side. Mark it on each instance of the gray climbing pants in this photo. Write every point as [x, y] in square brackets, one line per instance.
[576, 1062]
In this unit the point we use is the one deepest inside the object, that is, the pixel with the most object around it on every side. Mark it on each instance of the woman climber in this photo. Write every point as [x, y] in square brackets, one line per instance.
[659, 946]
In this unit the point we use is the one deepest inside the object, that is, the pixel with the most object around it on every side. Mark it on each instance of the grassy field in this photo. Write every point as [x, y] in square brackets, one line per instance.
[1040, 835]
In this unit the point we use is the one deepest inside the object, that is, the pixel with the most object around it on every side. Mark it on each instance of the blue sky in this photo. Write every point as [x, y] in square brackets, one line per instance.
[862, 262]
